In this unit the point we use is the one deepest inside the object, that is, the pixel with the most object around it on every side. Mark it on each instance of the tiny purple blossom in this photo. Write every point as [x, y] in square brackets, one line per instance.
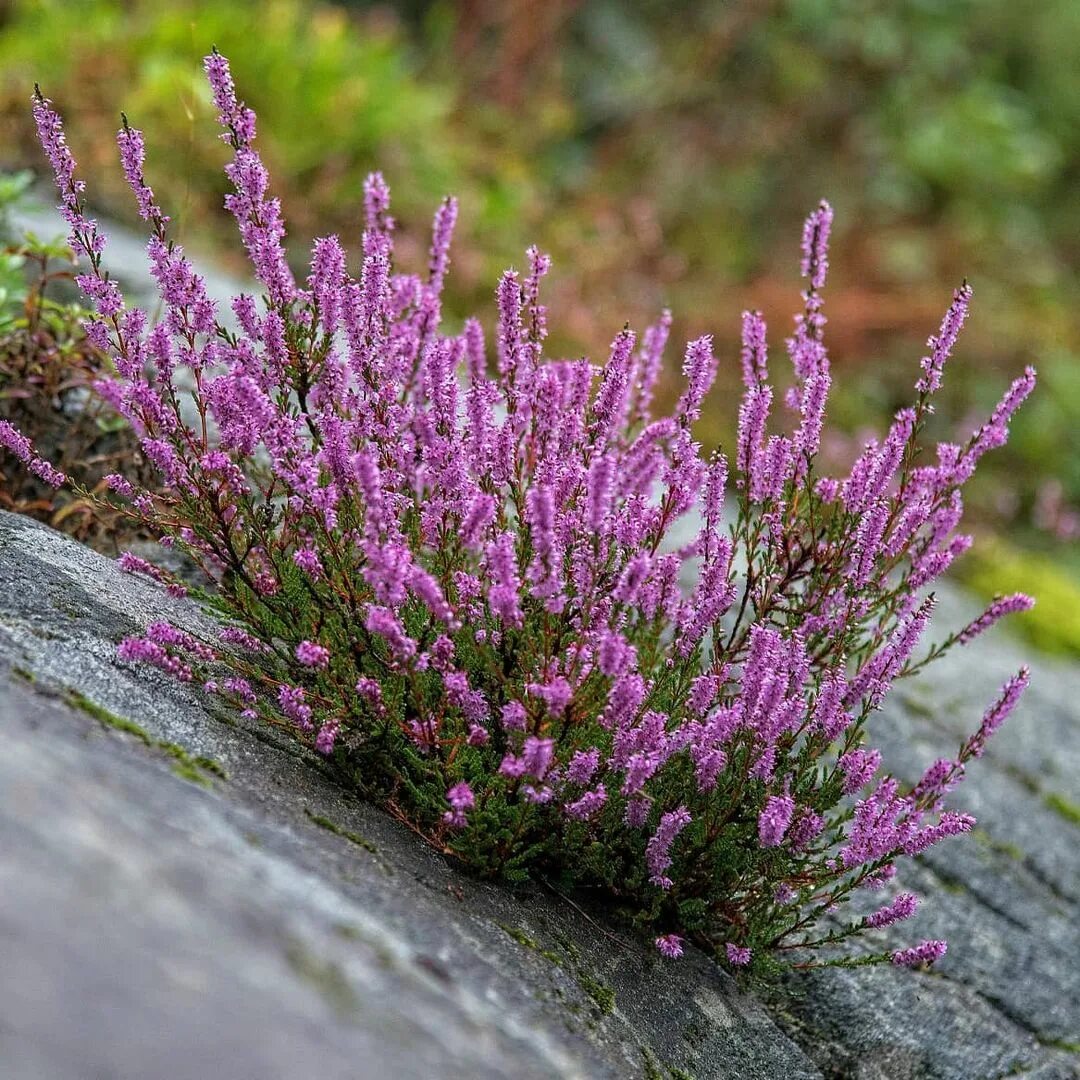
[998, 609]
[658, 849]
[775, 819]
[670, 946]
[311, 655]
[999, 712]
[925, 953]
[903, 907]
[461, 800]
[815, 245]
[738, 955]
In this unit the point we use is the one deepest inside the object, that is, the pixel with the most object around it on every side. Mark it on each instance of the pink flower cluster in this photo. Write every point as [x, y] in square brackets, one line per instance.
[504, 586]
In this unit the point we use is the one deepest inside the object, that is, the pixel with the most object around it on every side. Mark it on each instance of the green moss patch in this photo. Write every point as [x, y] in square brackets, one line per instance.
[196, 768]
[1063, 806]
[602, 995]
[338, 830]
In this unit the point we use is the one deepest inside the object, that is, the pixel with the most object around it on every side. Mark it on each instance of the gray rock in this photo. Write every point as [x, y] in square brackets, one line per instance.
[270, 925]
[159, 920]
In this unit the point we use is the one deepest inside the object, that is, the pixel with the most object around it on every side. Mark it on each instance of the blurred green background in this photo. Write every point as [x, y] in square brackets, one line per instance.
[665, 153]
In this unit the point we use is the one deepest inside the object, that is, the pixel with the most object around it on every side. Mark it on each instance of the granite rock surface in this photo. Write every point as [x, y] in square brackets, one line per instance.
[185, 896]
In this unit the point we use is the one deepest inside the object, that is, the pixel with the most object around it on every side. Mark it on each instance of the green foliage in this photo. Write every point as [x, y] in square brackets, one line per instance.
[198, 768]
[338, 830]
[1064, 807]
[339, 92]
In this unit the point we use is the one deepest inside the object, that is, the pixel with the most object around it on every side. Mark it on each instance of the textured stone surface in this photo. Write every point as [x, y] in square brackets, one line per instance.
[153, 926]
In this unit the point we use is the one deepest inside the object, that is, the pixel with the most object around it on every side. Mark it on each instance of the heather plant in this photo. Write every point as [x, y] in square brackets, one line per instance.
[522, 612]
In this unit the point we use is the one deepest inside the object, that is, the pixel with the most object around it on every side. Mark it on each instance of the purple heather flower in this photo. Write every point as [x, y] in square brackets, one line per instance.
[382, 621]
[650, 359]
[47, 473]
[670, 946]
[880, 877]
[324, 741]
[293, 705]
[709, 762]
[84, 238]
[235, 635]
[133, 564]
[615, 654]
[774, 819]
[588, 805]
[512, 766]
[637, 811]
[461, 800]
[867, 543]
[903, 907]
[377, 204]
[926, 952]
[514, 716]
[1001, 606]
[609, 410]
[478, 735]
[308, 561]
[132, 156]
[815, 245]
[582, 766]
[754, 356]
[942, 345]
[938, 780]
[599, 489]
[442, 233]
[151, 652]
[829, 716]
[737, 955]
[999, 712]
[753, 415]
[311, 655]
[536, 756]
[703, 691]
[658, 849]
[859, 767]
[950, 824]
[504, 594]
[699, 370]
[808, 826]
[812, 407]
[555, 694]
[240, 687]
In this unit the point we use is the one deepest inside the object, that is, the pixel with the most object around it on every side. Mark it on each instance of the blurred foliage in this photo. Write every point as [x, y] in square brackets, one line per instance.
[664, 151]
[335, 97]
